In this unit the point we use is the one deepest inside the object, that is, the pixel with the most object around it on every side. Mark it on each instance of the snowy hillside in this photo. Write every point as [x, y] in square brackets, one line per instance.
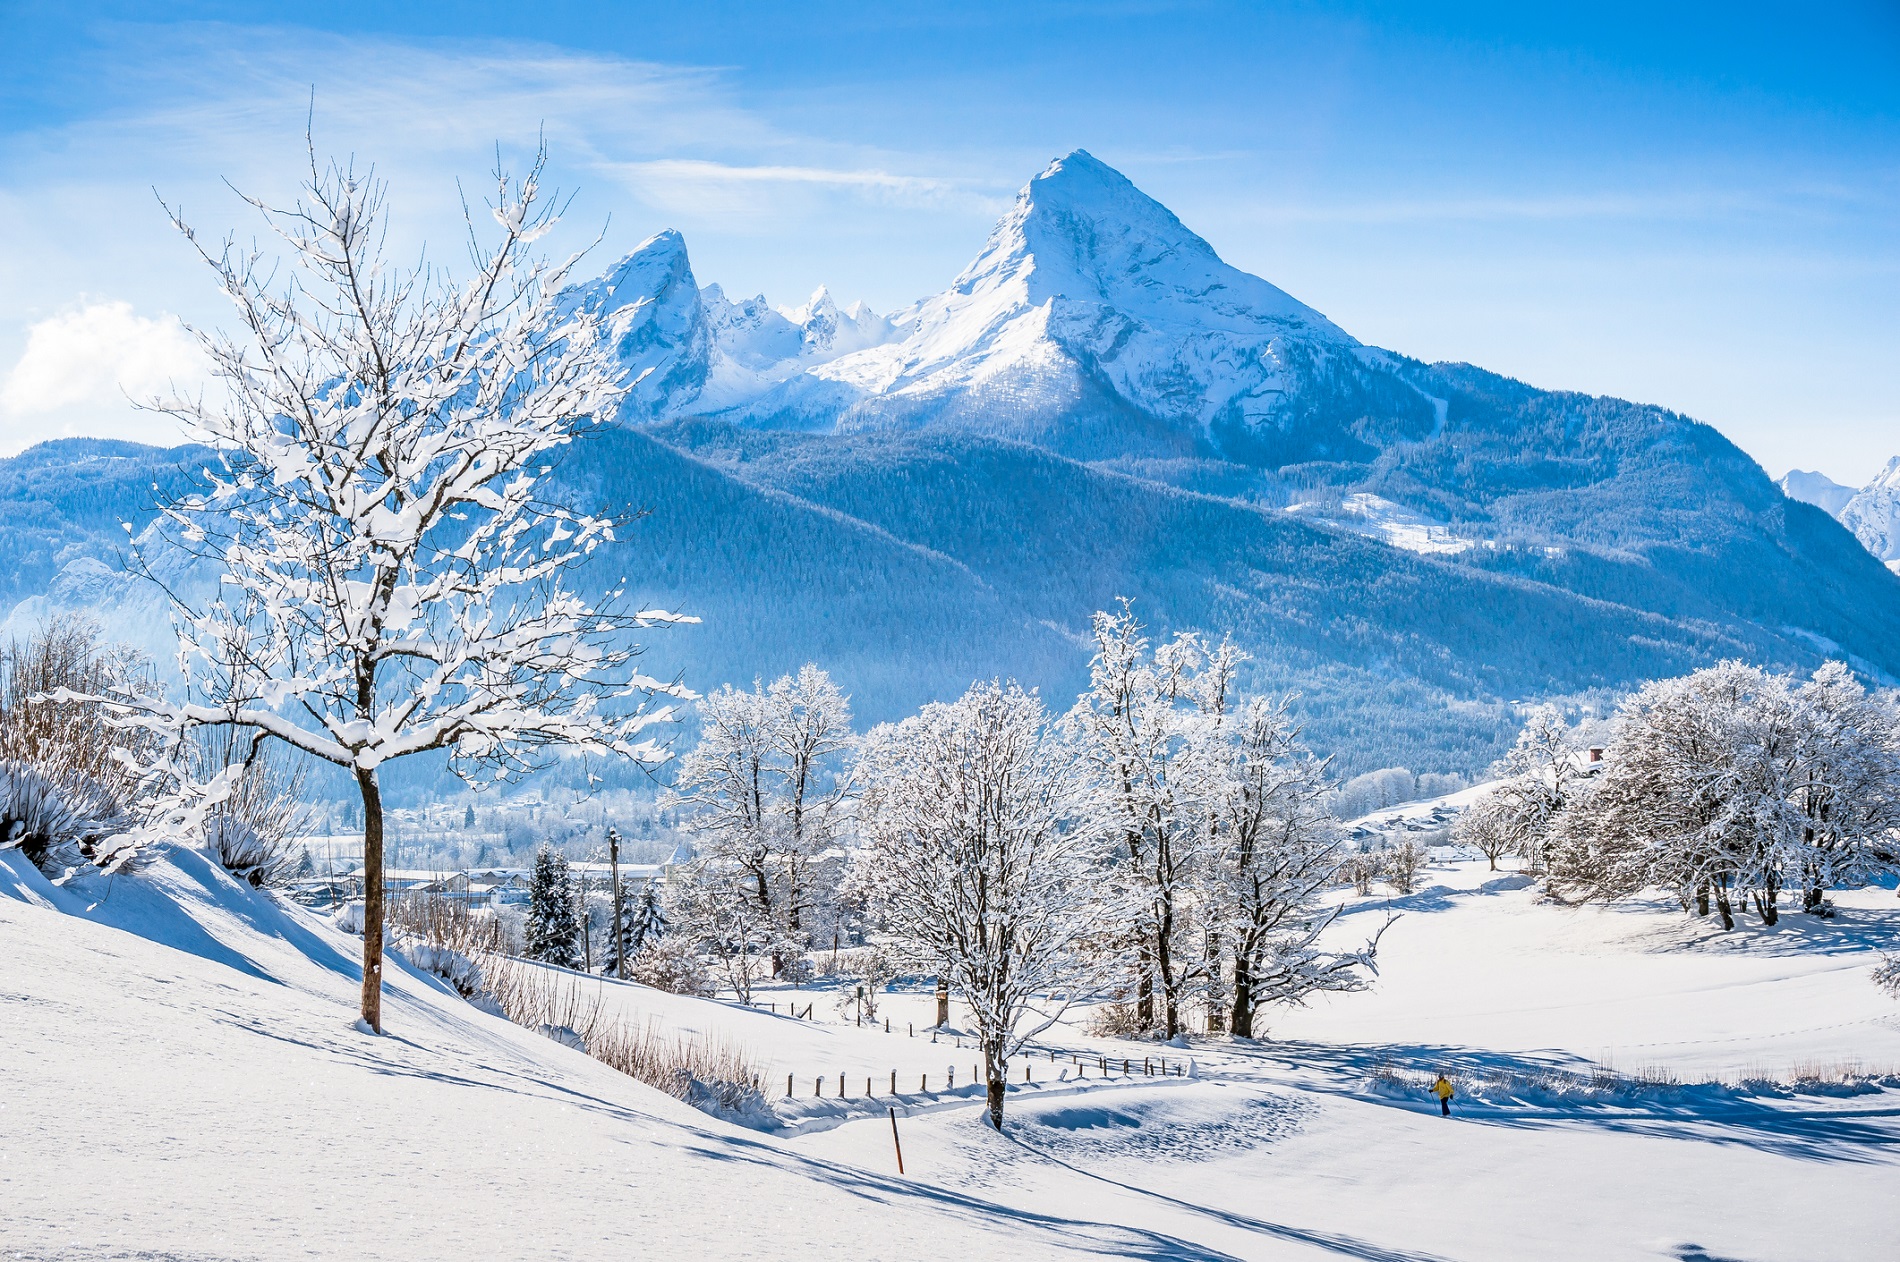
[190, 1084]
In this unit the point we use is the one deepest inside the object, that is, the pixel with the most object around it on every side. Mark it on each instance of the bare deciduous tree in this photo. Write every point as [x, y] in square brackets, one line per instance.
[392, 579]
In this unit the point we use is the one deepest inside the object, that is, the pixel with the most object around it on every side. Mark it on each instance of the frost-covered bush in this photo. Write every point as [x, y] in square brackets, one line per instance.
[1887, 974]
[349, 917]
[671, 965]
[709, 1074]
[255, 830]
[67, 784]
[53, 818]
[1401, 865]
[1361, 869]
[872, 969]
[1117, 1019]
[464, 974]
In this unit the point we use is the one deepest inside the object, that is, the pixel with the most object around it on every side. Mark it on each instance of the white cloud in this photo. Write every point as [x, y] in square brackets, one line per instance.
[82, 369]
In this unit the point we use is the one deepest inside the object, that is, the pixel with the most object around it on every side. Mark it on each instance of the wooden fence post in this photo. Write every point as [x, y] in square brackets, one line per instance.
[896, 1142]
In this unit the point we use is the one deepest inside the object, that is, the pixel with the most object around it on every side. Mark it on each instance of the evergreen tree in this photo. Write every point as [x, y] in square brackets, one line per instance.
[468, 816]
[552, 924]
[646, 920]
[642, 923]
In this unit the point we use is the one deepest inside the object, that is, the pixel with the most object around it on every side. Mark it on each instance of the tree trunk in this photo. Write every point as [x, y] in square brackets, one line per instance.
[1767, 902]
[1722, 904]
[1243, 999]
[943, 1000]
[372, 899]
[1216, 1007]
[1702, 899]
[996, 1070]
[1165, 967]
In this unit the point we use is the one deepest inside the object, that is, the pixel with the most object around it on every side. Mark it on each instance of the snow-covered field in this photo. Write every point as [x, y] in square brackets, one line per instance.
[184, 1080]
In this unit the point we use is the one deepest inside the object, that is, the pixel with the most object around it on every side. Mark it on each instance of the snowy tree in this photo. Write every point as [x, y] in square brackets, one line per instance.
[1489, 826]
[764, 788]
[1846, 786]
[1134, 729]
[714, 909]
[554, 925]
[1273, 851]
[1536, 780]
[642, 921]
[1728, 784]
[647, 922]
[981, 850]
[392, 578]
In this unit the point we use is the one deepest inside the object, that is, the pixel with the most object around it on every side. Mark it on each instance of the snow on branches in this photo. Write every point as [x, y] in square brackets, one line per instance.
[1730, 785]
[392, 577]
[982, 851]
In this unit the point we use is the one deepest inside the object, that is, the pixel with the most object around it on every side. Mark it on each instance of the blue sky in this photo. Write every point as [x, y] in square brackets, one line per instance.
[1696, 206]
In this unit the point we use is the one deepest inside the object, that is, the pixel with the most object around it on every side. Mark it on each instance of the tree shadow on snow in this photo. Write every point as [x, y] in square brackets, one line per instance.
[1700, 1112]
[1345, 1246]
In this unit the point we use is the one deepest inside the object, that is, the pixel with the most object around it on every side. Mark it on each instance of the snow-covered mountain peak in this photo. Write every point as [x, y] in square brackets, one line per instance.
[828, 331]
[1874, 515]
[1081, 231]
[1817, 489]
[655, 322]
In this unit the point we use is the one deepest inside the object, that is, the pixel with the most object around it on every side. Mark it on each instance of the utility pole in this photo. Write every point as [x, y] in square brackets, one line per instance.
[620, 945]
[587, 934]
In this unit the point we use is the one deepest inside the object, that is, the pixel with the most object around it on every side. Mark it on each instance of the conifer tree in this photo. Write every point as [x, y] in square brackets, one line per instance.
[552, 925]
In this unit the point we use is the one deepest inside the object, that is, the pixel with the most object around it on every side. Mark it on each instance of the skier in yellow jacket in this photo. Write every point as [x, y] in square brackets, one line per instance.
[1443, 1090]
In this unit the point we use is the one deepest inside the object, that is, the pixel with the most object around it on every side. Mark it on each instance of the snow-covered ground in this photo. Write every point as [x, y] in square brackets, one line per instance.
[185, 1081]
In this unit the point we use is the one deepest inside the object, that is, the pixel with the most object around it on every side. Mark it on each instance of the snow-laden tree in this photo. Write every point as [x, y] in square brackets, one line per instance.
[642, 921]
[553, 927]
[392, 578]
[1134, 730]
[1729, 784]
[1846, 786]
[714, 911]
[1536, 779]
[763, 791]
[1274, 848]
[982, 851]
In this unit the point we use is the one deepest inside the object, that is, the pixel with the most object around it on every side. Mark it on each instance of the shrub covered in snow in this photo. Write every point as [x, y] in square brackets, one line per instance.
[1401, 865]
[464, 974]
[670, 964]
[1887, 974]
[67, 784]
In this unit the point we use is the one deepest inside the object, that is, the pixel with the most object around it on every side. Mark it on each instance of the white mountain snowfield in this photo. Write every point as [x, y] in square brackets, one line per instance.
[1090, 311]
[1872, 513]
[187, 1081]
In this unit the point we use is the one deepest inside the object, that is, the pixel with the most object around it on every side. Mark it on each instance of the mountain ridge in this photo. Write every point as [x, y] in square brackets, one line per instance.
[1096, 407]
